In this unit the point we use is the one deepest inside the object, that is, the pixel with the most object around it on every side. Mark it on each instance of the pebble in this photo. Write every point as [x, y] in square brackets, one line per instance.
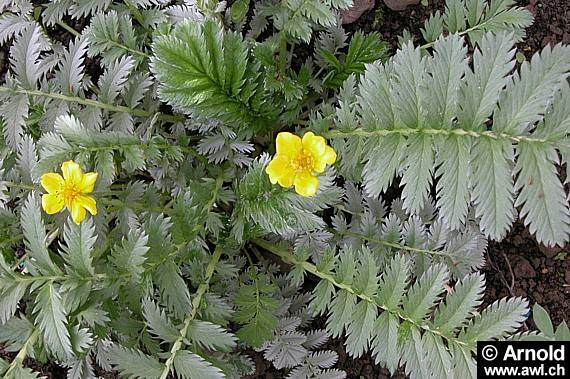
[523, 269]
[556, 30]
[550, 252]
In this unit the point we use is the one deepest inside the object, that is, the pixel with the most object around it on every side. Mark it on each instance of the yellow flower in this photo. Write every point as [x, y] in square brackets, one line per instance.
[69, 191]
[298, 160]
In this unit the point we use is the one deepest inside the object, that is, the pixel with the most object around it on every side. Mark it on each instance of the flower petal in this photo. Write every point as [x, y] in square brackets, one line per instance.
[280, 170]
[330, 155]
[71, 172]
[88, 182]
[88, 203]
[77, 212]
[288, 144]
[316, 145]
[52, 203]
[52, 182]
[306, 184]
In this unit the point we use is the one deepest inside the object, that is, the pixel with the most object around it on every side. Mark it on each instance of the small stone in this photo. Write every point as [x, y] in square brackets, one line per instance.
[523, 269]
[556, 30]
[550, 252]
[400, 5]
[358, 8]
[567, 276]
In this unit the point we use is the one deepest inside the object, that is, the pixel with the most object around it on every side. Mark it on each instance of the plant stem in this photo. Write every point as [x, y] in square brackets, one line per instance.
[64, 25]
[137, 15]
[282, 53]
[92, 103]
[178, 344]
[311, 268]
[19, 359]
[441, 132]
[466, 31]
[393, 244]
[11, 240]
[21, 186]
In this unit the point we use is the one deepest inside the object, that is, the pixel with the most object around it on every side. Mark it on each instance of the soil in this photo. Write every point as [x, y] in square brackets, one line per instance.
[518, 265]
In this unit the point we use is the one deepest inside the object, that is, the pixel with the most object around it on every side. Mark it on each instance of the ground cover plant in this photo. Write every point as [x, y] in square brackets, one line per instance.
[186, 184]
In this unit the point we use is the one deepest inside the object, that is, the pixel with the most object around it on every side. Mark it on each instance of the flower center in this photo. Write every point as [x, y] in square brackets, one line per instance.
[70, 192]
[302, 162]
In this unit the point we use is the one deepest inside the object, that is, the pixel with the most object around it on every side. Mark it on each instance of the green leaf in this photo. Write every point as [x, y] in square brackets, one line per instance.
[528, 95]
[173, 289]
[341, 311]
[382, 164]
[375, 100]
[437, 356]
[79, 240]
[446, 70]
[425, 292]
[359, 330]
[203, 69]
[460, 304]
[321, 297]
[14, 109]
[132, 363]
[385, 341]
[417, 175]
[542, 196]
[501, 317]
[189, 366]
[51, 319]
[15, 332]
[454, 17]
[410, 73]
[464, 364]
[453, 184]
[542, 320]
[255, 312]
[562, 332]
[129, 256]
[11, 292]
[158, 322]
[3, 365]
[394, 282]
[413, 355]
[492, 62]
[210, 336]
[366, 280]
[35, 236]
[493, 188]
[238, 10]
[114, 79]
[362, 49]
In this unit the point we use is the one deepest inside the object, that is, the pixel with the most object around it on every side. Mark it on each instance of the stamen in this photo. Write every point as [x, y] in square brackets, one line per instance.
[302, 162]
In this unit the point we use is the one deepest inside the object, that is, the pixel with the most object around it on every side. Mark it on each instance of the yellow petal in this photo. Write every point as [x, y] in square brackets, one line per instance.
[306, 184]
[77, 212]
[52, 203]
[288, 144]
[71, 172]
[280, 170]
[52, 182]
[286, 181]
[88, 182]
[88, 203]
[330, 155]
[315, 145]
